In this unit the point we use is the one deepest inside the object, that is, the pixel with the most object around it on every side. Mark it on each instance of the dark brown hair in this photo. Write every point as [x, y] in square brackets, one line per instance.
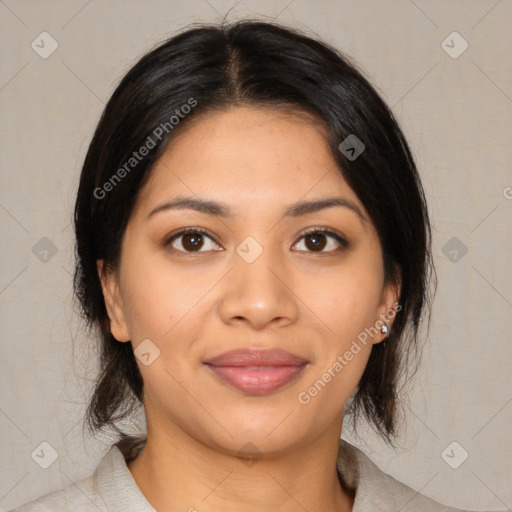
[264, 65]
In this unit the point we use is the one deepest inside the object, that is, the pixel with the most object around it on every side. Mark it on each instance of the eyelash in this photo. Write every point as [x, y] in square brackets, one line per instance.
[344, 244]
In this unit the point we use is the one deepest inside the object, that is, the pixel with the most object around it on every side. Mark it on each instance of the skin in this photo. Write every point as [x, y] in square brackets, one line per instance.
[198, 304]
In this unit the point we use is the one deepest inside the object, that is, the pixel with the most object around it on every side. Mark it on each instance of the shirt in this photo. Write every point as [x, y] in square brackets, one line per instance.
[111, 488]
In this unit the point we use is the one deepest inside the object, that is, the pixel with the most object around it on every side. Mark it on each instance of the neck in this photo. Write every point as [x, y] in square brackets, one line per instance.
[185, 474]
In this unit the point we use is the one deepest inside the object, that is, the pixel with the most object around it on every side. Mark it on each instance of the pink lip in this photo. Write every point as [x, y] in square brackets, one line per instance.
[253, 357]
[257, 371]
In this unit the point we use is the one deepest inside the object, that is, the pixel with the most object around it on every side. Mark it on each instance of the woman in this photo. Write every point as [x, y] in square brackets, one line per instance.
[253, 245]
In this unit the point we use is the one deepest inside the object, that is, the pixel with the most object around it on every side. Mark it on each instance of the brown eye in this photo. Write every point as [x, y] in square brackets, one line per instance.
[192, 241]
[318, 240]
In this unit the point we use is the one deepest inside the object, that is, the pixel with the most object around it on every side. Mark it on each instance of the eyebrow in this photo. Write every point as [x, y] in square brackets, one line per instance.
[222, 210]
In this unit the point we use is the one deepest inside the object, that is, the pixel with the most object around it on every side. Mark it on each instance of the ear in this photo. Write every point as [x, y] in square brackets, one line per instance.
[389, 306]
[113, 302]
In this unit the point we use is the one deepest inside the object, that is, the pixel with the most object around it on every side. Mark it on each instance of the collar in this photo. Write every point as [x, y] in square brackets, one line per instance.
[375, 490]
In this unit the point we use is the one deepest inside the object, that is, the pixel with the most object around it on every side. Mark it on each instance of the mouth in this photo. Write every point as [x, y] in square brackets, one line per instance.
[257, 372]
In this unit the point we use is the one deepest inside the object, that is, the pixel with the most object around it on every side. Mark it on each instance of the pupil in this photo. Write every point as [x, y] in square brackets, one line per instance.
[317, 241]
[193, 241]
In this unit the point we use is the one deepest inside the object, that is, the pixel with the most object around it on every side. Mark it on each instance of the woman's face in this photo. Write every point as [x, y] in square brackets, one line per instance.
[254, 280]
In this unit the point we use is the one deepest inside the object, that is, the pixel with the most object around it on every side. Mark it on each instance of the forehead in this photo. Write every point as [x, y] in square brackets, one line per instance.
[246, 157]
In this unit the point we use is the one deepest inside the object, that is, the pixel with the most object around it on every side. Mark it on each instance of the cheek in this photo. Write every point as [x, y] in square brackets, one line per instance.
[156, 300]
[348, 311]
[347, 300]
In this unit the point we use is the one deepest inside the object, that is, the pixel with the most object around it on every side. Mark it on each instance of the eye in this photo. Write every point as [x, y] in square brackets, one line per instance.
[318, 239]
[192, 240]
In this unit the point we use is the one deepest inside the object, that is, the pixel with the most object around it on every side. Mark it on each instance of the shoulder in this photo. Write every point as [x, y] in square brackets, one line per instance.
[80, 495]
[53, 501]
[377, 490]
[111, 487]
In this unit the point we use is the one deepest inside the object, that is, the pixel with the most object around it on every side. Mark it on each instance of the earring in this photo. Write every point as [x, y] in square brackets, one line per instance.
[384, 330]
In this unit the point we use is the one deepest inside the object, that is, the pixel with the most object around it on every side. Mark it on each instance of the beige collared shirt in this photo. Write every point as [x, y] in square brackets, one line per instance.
[111, 488]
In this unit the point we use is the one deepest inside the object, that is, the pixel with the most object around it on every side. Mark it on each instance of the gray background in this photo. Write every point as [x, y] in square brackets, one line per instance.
[457, 115]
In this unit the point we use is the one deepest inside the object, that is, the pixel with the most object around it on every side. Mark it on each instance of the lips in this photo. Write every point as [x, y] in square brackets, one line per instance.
[257, 371]
[251, 357]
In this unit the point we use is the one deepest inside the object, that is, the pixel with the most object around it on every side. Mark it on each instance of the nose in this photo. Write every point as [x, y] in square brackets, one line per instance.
[259, 293]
